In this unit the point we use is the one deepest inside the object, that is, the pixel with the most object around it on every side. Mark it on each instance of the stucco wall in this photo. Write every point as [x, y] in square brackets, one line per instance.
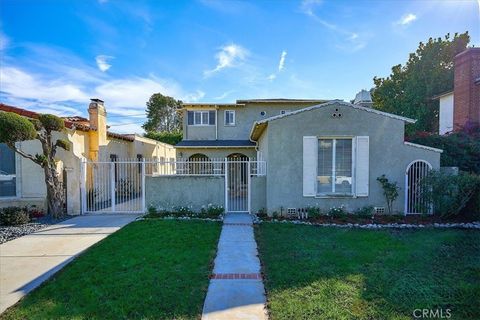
[258, 194]
[215, 153]
[166, 192]
[244, 119]
[388, 155]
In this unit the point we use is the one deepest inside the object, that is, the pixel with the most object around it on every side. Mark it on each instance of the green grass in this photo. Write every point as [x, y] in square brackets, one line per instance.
[332, 273]
[155, 269]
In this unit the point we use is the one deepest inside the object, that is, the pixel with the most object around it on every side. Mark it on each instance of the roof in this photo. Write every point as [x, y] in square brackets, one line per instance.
[259, 126]
[215, 144]
[363, 96]
[74, 125]
[441, 95]
[422, 146]
[281, 100]
[242, 103]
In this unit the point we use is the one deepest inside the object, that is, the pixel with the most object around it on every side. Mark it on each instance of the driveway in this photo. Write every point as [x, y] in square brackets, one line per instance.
[28, 261]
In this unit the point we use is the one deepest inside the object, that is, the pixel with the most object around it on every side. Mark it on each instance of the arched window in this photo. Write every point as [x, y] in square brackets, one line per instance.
[415, 201]
[199, 164]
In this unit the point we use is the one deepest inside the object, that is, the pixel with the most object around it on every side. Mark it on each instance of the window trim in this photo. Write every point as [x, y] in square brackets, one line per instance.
[225, 118]
[333, 194]
[201, 112]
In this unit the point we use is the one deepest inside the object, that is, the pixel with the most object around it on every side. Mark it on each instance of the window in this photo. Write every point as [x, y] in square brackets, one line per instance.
[335, 163]
[8, 177]
[229, 117]
[284, 111]
[201, 118]
[263, 113]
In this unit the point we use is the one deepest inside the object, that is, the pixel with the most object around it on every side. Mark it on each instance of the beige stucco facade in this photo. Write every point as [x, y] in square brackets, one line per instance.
[88, 141]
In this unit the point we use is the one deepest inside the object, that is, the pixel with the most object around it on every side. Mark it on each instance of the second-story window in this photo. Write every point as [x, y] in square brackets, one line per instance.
[201, 118]
[229, 117]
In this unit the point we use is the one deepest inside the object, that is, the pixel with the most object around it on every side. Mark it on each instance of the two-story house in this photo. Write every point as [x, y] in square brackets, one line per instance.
[317, 152]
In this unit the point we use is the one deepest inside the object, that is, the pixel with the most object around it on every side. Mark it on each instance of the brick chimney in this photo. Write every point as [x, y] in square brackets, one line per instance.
[467, 89]
[98, 122]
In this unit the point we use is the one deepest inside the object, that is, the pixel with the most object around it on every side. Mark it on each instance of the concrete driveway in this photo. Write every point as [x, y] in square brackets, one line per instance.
[28, 261]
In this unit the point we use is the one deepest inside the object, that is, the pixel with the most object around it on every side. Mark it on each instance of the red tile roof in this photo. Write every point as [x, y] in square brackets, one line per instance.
[74, 125]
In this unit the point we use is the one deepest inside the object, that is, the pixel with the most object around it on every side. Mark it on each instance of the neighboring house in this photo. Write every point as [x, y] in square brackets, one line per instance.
[22, 181]
[317, 153]
[460, 107]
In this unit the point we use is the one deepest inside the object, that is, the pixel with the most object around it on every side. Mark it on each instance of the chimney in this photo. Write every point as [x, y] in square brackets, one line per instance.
[466, 89]
[98, 124]
[363, 99]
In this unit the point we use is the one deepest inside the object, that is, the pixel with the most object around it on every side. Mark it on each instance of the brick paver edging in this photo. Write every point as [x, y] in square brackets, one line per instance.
[236, 276]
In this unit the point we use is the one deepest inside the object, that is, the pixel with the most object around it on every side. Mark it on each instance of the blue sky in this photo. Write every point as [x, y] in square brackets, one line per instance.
[55, 55]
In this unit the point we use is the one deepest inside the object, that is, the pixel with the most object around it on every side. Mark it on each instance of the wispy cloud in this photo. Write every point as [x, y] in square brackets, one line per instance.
[351, 41]
[103, 62]
[406, 19]
[224, 95]
[228, 56]
[281, 63]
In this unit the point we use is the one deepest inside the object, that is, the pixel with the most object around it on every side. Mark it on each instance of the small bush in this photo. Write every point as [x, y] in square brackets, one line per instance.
[338, 212]
[211, 211]
[390, 191]
[14, 216]
[35, 213]
[449, 194]
[365, 212]
[262, 213]
[314, 212]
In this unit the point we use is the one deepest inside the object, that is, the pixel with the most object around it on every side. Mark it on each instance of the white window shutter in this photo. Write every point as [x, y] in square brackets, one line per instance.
[310, 145]
[362, 164]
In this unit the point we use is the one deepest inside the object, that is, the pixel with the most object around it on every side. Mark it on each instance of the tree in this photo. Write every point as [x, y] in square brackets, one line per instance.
[15, 128]
[409, 89]
[163, 114]
[167, 137]
[390, 191]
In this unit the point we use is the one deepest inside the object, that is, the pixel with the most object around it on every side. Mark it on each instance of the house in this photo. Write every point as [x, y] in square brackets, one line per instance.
[460, 107]
[283, 155]
[22, 181]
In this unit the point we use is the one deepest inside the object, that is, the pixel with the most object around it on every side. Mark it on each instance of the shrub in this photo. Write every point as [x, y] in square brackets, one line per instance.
[449, 194]
[167, 137]
[34, 212]
[313, 212]
[460, 149]
[390, 191]
[212, 211]
[13, 216]
[262, 213]
[365, 212]
[338, 211]
[182, 211]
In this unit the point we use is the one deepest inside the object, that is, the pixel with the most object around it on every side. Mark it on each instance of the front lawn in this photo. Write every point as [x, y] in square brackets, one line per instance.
[157, 269]
[335, 273]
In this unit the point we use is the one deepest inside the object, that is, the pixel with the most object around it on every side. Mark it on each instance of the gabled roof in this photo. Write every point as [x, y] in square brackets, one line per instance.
[242, 103]
[282, 100]
[259, 126]
[215, 144]
[74, 125]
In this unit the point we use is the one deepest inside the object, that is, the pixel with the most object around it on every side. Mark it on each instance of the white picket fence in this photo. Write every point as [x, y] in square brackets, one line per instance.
[119, 186]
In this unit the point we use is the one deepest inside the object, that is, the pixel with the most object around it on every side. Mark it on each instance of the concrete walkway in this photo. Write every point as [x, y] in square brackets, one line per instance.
[28, 261]
[236, 289]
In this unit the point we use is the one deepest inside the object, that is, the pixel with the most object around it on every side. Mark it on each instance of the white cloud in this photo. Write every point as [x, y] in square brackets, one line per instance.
[272, 77]
[229, 56]
[407, 19]
[224, 95]
[102, 62]
[281, 63]
[19, 83]
[194, 96]
[307, 6]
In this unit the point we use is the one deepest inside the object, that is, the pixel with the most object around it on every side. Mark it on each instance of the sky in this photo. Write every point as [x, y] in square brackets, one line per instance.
[56, 55]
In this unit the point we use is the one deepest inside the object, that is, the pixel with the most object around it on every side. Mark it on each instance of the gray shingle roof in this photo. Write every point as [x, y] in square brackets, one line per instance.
[214, 143]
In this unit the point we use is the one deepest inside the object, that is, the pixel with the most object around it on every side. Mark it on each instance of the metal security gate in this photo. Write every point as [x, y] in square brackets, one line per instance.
[113, 187]
[415, 202]
[237, 185]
